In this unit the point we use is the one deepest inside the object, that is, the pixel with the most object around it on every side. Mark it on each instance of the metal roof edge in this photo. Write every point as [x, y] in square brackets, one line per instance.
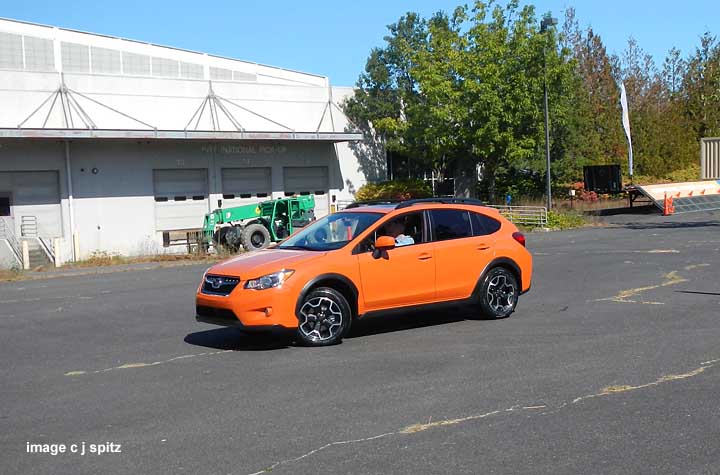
[148, 134]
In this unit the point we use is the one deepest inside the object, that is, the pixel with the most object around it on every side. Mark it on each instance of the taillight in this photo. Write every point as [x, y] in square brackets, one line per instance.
[519, 237]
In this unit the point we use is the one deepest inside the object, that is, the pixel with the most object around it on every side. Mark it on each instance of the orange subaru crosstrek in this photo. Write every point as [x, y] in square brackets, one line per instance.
[370, 259]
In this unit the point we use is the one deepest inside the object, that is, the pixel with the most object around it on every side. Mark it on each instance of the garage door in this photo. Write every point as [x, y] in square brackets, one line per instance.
[309, 180]
[242, 186]
[181, 198]
[33, 198]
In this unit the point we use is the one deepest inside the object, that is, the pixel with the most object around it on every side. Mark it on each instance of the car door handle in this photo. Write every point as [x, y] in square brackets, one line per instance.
[425, 256]
[483, 247]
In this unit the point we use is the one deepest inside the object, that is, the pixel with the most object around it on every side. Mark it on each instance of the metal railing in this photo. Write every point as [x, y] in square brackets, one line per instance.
[28, 226]
[525, 215]
[47, 247]
[8, 235]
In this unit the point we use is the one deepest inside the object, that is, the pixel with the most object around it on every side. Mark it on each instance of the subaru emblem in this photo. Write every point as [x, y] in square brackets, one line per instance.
[215, 282]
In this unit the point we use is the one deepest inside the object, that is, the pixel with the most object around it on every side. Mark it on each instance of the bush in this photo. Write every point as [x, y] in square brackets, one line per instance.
[394, 190]
[691, 173]
[564, 220]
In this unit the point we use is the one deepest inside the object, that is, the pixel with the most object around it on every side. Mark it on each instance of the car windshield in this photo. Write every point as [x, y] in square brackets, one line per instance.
[331, 232]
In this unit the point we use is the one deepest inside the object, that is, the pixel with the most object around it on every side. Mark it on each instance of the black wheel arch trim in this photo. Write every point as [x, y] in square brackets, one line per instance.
[329, 277]
[498, 262]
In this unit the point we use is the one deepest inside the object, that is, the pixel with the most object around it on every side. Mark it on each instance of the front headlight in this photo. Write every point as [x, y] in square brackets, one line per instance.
[269, 281]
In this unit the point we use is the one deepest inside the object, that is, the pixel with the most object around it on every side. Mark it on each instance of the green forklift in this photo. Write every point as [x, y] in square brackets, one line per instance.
[255, 226]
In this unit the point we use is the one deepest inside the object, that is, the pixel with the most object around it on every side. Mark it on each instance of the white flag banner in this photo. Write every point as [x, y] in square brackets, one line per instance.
[626, 125]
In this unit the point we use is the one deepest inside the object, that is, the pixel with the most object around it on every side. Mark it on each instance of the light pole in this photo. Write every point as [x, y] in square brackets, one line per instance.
[547, 21]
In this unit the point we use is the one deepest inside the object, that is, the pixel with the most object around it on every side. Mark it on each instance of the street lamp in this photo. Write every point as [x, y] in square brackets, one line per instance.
[547, 22]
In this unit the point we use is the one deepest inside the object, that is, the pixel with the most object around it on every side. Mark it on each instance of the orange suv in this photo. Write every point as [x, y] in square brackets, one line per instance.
[368, 259]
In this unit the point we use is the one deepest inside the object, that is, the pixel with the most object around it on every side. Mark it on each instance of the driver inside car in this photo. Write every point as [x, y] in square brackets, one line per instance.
[396, 229]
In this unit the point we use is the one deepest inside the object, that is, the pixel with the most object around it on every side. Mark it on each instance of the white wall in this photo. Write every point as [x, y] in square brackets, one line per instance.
[114, 208]
[161, 103]
[7, 259]
[360, 162]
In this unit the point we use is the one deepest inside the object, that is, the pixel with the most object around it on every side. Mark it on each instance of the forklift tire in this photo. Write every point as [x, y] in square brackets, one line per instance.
[255, 237]
[219, 237]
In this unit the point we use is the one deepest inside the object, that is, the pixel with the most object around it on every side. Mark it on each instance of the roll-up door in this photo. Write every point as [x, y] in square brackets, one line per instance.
[34, 201]
[181, 198]
[242, 186]
[309, 180]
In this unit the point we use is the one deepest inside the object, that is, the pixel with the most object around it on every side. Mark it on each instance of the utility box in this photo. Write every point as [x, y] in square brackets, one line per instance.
[603, 178]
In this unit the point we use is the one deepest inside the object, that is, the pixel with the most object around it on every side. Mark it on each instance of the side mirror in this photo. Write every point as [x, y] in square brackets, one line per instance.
[382, 245]
[385, 242]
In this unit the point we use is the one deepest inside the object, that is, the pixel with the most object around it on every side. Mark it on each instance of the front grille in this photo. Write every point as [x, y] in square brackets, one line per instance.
[219, 285]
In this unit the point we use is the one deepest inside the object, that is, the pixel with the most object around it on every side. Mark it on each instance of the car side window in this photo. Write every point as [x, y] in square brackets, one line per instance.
[483, 225]
[407, 229]
[450, 224]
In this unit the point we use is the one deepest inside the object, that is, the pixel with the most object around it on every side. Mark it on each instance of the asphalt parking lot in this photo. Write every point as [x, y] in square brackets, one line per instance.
[611, 364]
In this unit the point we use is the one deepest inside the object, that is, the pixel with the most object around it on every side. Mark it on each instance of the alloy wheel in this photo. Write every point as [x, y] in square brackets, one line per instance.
[501, 295]
[321, 319]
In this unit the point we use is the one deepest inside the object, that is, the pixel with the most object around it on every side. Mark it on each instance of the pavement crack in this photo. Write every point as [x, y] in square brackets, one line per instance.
[628, 295]
[405, 431]
[314, 451]
[414, 428]
[661, 380]
[421, 427]
[145, 365]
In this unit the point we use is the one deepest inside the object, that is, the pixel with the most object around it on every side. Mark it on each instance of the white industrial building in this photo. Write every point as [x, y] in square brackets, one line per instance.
[112, 145]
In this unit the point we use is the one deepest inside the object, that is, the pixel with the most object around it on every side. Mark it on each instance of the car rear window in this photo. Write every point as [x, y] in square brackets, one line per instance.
[483, 225]
[450, 224]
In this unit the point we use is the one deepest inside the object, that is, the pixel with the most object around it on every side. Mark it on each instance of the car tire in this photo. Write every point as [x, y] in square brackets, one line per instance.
[255, 237]
[498, 293]
[324, 318]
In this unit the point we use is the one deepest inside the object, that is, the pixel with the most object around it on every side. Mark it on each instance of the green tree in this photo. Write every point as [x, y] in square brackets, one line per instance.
[663, 138]
[598, 136]
[701, 86]
[463, 90]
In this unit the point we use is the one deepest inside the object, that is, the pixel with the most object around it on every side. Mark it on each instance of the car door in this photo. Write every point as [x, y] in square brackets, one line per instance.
[402, 276]
[463, 248]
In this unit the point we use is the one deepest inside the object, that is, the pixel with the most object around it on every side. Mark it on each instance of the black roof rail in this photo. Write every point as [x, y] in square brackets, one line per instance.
[357, 204]
[445, 201]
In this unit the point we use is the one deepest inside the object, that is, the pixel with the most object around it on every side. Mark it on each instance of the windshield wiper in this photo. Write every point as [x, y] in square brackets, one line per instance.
[295, 248]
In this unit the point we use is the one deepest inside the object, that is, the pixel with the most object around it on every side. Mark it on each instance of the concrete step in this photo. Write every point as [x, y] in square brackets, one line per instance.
[37, 255]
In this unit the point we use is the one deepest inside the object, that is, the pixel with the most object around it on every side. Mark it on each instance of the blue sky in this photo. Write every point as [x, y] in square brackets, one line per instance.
[333, 38]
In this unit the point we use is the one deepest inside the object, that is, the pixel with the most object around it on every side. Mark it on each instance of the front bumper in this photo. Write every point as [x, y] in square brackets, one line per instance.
[216, 316]
[249, 309]
[213, 317]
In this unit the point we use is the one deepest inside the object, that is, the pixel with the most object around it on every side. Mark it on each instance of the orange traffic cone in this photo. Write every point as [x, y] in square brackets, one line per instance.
[668, 207]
